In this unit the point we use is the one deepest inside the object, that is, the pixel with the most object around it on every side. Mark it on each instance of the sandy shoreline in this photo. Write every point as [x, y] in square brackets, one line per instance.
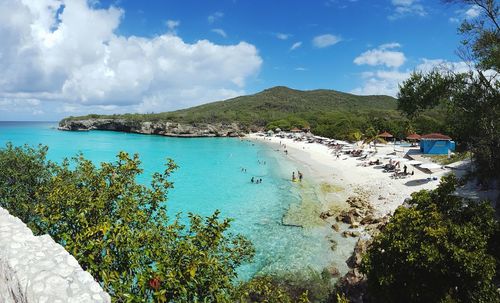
[322, 167]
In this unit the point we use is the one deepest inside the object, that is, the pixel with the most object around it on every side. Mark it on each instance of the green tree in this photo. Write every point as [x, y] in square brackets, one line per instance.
[469, 99]
[435, 250]
[119, 230]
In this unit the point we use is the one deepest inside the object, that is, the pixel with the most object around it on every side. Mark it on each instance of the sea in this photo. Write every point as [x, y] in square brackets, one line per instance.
[214, 174]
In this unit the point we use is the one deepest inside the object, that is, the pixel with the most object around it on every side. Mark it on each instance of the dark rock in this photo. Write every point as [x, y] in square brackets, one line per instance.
[359, 250]
[336, 227]
[350, 233]
[354, 283]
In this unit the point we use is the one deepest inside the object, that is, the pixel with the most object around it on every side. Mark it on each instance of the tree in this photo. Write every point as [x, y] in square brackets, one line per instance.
[119, 230]
[435, 250]
[470, 99]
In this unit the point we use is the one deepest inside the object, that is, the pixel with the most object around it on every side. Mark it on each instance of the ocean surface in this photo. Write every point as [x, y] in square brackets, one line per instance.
[209, 178]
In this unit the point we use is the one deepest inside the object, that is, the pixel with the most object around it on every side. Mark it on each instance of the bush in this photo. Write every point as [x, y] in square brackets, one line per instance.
[119, 230]
[439, 249]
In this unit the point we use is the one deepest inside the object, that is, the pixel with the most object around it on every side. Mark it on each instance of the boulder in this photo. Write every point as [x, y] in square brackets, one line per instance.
[351, 233]
[336, 227]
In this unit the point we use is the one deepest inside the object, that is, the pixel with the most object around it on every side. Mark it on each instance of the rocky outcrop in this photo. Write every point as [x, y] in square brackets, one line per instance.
[170, 129]
[37, 269]
[353, 284]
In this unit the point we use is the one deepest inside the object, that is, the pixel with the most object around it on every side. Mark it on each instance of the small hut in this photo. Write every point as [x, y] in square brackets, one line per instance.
[295, 130]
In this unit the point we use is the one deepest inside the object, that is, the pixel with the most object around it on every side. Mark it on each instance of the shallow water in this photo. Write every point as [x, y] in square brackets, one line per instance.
[209, 178]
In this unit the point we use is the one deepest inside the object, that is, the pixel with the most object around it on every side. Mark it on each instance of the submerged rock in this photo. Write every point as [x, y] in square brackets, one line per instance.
[351, 233]
[336, 227]
[333, 271]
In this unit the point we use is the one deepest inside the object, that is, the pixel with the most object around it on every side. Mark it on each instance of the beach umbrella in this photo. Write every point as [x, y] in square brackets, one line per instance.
[413, 137]
[414, 162]
[386, 135]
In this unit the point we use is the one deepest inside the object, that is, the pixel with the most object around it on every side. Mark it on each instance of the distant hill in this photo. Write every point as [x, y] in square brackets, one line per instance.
[326, 112]
[264, 107]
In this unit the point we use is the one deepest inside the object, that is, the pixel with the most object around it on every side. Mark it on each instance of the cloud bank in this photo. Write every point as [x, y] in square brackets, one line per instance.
[67, 51]
[390, 71]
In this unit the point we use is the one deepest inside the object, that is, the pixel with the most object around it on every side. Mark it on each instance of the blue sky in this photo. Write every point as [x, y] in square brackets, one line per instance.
[72, 57]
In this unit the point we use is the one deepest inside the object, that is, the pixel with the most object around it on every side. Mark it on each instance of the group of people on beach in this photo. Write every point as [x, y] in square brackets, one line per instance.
[299, 176]
[256, 181]
[284, 147]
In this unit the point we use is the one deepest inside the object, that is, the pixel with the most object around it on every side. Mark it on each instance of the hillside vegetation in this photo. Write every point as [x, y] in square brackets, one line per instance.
[327, 112]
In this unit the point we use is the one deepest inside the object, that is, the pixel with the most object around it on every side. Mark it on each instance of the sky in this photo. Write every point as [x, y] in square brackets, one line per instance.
[62, 58]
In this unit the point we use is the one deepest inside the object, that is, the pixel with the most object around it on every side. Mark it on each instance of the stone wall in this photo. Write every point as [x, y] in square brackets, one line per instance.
[37, 269]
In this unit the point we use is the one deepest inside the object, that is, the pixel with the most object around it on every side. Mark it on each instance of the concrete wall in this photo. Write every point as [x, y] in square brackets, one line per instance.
[37, 269]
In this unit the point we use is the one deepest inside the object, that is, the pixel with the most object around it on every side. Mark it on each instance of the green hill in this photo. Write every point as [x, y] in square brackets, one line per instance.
[326, 112]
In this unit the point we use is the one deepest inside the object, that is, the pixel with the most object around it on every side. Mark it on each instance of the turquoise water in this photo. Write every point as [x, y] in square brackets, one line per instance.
[209, 178]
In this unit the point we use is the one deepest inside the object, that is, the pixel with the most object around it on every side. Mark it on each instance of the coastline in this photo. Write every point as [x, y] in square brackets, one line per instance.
[385, 194]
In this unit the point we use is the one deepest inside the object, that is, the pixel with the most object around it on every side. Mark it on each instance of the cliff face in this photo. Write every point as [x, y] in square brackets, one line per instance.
[169, 129]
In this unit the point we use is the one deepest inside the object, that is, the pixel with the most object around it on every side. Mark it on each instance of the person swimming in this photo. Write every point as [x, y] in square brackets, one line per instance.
[252, 180]
[293, 176]
[300, 176]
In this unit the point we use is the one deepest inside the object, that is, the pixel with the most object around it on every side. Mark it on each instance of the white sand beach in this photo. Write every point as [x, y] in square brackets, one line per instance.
[385, 193]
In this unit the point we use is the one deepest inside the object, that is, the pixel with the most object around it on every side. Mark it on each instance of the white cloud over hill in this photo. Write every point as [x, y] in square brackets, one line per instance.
[68, 52]
[389, 72]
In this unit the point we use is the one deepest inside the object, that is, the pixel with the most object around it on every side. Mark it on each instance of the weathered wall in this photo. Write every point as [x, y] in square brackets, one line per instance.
[37, 269]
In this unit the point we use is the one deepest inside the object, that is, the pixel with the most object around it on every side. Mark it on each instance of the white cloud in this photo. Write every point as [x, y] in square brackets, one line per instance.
[296, 45]
[386, 82]
[403, 8]
[382, 56]
[220, 32]
[326, 40]
[473, 12]
[172, 25]
[283, 36]
[389, 45]
[301, 69]
[79, 60]
[214, 17]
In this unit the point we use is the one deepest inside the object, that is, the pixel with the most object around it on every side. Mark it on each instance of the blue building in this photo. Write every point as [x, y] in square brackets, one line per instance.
[436, 144]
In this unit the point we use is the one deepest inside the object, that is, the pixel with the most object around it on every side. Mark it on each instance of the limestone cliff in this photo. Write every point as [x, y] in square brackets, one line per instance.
[170, 129]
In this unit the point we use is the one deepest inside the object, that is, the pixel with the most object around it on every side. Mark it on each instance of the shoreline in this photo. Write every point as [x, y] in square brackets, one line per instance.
[386, 194]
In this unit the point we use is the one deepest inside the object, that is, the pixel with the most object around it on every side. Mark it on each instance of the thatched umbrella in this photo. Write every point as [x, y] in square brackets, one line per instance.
[385, 135]
[413, 137]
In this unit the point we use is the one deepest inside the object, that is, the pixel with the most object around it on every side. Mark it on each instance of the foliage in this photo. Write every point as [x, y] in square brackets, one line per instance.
[455, 157]
[326, 112]
[308, 286]
[469, 99]
[435, 250]
[119, 230]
